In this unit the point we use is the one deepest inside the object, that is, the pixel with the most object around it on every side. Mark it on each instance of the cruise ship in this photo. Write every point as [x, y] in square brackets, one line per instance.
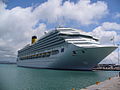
[64, 48]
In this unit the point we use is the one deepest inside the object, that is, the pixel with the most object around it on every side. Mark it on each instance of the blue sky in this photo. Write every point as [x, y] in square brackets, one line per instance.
[20, 19]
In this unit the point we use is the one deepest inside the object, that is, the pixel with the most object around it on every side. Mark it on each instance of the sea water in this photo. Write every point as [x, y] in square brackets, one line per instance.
[19, 78]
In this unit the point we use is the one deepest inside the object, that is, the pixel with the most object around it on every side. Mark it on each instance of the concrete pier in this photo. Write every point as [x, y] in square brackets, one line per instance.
[110, 84]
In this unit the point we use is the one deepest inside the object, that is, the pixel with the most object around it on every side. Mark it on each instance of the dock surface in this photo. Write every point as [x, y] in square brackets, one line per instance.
[110, 84]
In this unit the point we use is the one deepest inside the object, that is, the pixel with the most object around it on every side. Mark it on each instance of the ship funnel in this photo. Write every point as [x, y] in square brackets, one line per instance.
[34, 39]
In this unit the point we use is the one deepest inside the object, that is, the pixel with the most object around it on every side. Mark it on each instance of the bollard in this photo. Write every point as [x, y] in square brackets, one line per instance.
[119, 74]
[109, 78]
[73, 88]
[97, 83]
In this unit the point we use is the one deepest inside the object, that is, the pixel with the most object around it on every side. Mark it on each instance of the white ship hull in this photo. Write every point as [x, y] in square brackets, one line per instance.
[85, 58]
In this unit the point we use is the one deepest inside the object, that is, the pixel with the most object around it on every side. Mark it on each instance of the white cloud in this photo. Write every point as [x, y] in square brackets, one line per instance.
[117, 15]
[111, 26]
[83, 12]
[16, 29]
[106, 32]
[49, 11]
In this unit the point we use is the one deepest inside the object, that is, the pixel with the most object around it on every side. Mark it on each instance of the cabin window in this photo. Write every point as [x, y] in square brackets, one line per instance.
[47, 54]
[55, 52]
[83, 51]
[74, 52]
[62, 50]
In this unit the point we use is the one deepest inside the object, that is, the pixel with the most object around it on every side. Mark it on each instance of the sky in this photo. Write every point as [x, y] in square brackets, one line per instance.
[21, 19]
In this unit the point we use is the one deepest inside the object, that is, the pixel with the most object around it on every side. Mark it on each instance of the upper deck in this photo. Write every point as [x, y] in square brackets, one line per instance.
[57, 37]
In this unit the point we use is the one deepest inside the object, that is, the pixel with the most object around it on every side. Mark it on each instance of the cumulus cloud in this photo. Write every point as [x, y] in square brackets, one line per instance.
[111, 26]
[16, 29]
[108, 34]
[83, 11]
[117, 15]
[16, 24]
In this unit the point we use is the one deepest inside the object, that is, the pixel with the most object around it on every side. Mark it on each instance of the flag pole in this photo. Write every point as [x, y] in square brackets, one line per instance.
[118, 55]
[112, 39]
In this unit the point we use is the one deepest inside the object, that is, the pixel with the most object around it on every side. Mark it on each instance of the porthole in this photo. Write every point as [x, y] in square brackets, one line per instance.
[83, 51]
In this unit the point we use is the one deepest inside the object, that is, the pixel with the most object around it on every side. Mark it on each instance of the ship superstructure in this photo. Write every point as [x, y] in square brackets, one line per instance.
[64, 48]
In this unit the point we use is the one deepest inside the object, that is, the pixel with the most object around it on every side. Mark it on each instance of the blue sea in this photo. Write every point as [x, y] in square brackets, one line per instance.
[19, 78]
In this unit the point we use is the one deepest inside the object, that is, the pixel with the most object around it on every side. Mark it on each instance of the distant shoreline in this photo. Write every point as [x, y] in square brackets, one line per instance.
[7, 62]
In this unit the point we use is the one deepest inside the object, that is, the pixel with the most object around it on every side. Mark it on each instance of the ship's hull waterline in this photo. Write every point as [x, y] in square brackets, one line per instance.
[73, 58]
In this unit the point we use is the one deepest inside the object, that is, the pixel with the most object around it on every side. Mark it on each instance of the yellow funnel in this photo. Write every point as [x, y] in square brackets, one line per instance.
[34, 39]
